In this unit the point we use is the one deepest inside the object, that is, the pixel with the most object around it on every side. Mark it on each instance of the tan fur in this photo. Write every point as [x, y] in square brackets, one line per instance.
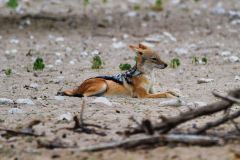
[141, 87]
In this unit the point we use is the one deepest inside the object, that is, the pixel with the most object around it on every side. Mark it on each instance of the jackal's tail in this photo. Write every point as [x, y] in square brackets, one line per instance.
[72, 92]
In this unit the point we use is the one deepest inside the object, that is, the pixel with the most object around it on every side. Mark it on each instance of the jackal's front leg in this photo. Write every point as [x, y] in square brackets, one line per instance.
[142, 93]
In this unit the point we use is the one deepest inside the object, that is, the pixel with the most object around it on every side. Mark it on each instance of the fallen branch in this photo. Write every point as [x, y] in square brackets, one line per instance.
[28, 131]
[216, 123]
[156, 139]
[169, 123]
[227, 98]
[56, 143]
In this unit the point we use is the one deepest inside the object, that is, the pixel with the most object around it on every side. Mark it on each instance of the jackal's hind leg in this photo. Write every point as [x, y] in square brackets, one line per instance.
[90, 87]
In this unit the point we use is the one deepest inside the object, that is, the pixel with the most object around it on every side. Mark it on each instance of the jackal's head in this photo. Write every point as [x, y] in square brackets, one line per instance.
[147, 59]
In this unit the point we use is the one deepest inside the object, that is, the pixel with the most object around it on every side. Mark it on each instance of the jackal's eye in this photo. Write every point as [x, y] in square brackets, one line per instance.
[154, 59]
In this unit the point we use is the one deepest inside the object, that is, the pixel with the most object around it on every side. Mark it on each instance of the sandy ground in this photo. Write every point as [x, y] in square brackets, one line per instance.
[67, 45]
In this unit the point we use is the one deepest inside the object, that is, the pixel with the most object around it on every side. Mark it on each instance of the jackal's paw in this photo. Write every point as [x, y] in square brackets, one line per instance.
[171, 94]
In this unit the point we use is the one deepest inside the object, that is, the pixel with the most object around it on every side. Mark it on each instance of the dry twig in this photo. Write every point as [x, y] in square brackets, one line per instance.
[172, 122]
[156, 139]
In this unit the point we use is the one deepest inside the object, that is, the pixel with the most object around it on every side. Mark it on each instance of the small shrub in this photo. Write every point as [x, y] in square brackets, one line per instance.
[38, 64]
[8, 72]
[12, 4]
[97, 62]
[202, 60]
[175, 62]
[158, 6]
[125, 66]
[136, 7]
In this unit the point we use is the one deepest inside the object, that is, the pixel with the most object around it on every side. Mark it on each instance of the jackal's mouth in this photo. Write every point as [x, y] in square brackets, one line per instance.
[161, 66]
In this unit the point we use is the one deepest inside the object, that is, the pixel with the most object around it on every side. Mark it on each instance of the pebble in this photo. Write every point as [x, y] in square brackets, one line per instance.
[58, 54]
[204, 80]
[15, 111]
[72, 62]
[84, 53]
[125, 36]
[24, 101]
[66, 116]
[235, 22]
[102, 100]
[5, 101]
[218, 9]
[170, 36]
[95, 52]
[225, 53]
[173, 102]
[175, 2]
[132, 14]
[59, 98]
[233, 59]
[50, 66]
[34, 85]
[58, 62]
[58, 79]
[59, 39]
[14, 41]
[154, 38]
[237, 78]
[181, 51]
[234, 15]
[68, 49]
[118, 45]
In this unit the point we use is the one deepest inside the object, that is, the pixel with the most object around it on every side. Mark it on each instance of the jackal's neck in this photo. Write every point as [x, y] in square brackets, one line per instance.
[144, 68]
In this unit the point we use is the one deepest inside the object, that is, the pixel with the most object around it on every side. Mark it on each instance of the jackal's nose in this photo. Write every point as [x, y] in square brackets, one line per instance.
[165, 65]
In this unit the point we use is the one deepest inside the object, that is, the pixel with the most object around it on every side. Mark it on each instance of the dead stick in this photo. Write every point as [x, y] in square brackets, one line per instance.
[81, 114]
[172, 122]
[228, 98]
[20, 133]
[156, 139]
[216, 123]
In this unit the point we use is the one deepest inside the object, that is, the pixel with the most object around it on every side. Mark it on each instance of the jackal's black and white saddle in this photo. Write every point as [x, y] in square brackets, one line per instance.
[127, 76]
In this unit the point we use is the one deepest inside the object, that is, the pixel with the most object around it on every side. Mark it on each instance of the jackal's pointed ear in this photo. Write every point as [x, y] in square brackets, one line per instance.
[136, 48]
[142, 46]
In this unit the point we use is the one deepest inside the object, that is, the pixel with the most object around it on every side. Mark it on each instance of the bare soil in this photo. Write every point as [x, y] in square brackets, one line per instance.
[196, 28]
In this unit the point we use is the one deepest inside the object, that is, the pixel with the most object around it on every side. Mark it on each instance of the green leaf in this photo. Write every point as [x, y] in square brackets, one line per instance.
[136, 7]
[195, 60]
[12, 4]
[125, 66]
[158, 5]
[8, 72]
[175, 62]
[38, 64]
[85, 3]
[97, 62]
[204, 60]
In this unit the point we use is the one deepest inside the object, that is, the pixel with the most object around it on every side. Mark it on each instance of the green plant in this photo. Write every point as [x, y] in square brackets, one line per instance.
[97, 62]
[8, 72]
[196, 60]
[175, 62]
[158, 6]
[204, 60]
[12, 4]
[38, 64]
[85, 3]
[125, 66]
[136, 7]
